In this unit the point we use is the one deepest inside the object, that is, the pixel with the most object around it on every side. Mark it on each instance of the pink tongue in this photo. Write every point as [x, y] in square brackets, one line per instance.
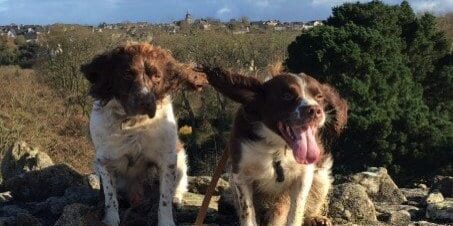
[306, 150]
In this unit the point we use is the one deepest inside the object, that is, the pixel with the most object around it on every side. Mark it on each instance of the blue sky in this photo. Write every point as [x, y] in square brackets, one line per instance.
[96, 11]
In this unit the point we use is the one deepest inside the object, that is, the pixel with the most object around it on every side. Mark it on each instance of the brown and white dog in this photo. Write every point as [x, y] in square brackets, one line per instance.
[277, 156]
[132, 124]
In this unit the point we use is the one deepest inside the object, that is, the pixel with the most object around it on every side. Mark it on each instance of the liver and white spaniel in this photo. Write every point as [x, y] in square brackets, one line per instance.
[280, 171]
[133, 126]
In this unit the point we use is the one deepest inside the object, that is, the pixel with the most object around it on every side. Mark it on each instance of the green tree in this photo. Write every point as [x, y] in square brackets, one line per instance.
[387, 63]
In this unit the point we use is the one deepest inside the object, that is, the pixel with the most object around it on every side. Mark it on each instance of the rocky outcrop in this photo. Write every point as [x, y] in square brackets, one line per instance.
[441, 210]
[21, 158]
[39, 185]
[201, 183]
[379, 186]
[36, 192]
[443, 184]
[349, 202]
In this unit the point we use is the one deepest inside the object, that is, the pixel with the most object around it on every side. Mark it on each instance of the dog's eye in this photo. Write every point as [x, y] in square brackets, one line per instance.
[287, 96]
[319, 97]
[150, 70]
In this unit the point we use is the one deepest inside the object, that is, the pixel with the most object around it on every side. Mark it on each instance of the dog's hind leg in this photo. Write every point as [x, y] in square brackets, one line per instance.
[317, 200]
[181, 178]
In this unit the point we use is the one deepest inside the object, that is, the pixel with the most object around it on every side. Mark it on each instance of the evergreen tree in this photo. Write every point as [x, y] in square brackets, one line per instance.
[395, 70]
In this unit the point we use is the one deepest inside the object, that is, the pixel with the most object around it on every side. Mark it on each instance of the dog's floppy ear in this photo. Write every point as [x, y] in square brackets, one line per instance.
[192, 75]
[240, 88]
[96, 68]
[99, 73]
[339, 105]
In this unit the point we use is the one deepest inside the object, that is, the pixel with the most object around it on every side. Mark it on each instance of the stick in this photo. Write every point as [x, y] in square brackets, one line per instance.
[207, 197]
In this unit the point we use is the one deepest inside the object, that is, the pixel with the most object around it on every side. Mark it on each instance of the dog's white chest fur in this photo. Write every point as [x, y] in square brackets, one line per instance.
[114, 135]
[258, 159]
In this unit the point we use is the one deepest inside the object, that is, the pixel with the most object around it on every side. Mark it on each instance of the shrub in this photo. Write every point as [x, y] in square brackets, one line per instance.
[8, 51]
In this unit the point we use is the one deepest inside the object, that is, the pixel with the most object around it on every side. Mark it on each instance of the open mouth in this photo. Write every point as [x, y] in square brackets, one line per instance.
[302, 141]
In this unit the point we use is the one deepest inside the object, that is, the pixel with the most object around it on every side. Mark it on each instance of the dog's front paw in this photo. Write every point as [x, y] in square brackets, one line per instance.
[317, 221]
[111, 218]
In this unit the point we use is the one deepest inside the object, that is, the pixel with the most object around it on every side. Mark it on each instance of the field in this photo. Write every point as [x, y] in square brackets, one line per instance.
[33, 112]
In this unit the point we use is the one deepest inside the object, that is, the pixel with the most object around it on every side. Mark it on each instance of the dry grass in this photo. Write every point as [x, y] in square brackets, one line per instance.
[31, 111]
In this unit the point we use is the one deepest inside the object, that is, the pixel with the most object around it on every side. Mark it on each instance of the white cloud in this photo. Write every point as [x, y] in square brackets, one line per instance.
[425, 6]
[223, 10]
[437, 6]
[330, 2]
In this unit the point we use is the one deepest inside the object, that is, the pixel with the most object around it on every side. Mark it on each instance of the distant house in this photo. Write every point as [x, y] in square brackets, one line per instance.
[11, 34]
[241, 31]
[204, 24]
[312, 24]
[272, 22]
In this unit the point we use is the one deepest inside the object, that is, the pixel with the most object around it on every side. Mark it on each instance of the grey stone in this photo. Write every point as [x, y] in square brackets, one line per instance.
[21, 158]
[5, 196]
[386, 210]
[442, 211]
[39, 185]
[444, 184]
[434, 197]
[78, 215]
[27, 220]
[399, 217]
[349, 202]
[12, 211]
[92, 181]
[200, 185]
[417, 195]
[379, 185]
[423, 223]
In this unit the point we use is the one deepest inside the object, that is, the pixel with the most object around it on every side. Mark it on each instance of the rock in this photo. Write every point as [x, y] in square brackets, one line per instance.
[5, 196]
[422, 186]
[27, 220]
[388, 212]
[444, 184]
[400, 217]
[78, 215]
[92, 181]
[81, 194]
[379, 185]
[6, 221]
[42, 184]
[12, 211]
[417, 195]
[349, 202]
[442, 211]
[423, 223]
[434, 197]
[192, 203]
[21, 158]
[200, 185]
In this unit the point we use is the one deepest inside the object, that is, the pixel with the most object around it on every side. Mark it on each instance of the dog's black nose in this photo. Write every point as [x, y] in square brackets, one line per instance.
[310, 111]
